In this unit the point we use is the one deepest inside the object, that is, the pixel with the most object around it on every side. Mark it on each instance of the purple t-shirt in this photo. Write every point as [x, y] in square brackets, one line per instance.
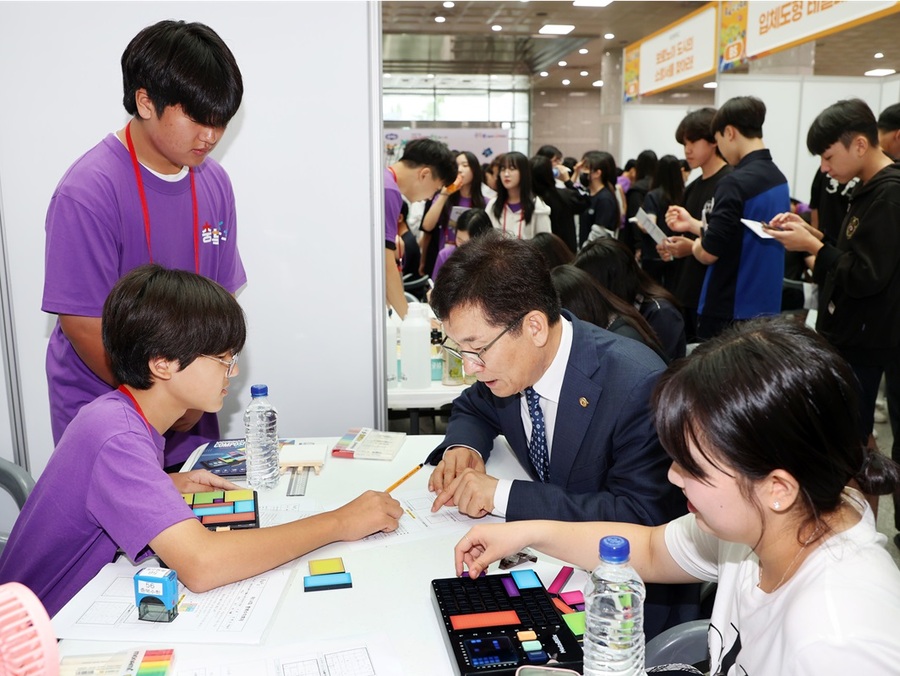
[442, 257]
[95, 234]
[393, 200]
[103, 489]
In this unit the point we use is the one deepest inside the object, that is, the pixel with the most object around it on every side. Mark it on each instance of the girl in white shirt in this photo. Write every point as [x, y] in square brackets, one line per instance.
[761, 426]
[516, 211]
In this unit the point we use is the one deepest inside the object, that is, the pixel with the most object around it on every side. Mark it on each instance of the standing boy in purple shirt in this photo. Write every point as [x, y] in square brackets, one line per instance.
[172, 338]
[148, 193]
[426, 167]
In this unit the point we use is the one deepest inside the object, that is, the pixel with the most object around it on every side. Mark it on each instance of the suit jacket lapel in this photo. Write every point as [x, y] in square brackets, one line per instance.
[579, 400]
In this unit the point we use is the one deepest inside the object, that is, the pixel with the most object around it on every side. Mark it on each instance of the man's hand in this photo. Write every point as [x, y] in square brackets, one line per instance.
[472, 492]
[455, 460]
[370, 513]
[200, 481]
[190, 418]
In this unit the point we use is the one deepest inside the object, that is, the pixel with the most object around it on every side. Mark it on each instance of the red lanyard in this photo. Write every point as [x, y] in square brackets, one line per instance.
[393, 173]
[146, 209]
[137, 406]
[506, 208]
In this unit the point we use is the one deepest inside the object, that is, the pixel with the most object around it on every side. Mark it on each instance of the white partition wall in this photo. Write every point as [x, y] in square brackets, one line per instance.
[651, 127]
[307, 238]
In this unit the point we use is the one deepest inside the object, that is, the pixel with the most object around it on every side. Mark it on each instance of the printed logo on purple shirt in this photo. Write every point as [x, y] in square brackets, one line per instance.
[213, 235]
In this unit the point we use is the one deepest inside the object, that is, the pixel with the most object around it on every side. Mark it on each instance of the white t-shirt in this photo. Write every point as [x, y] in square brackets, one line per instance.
[838, 614]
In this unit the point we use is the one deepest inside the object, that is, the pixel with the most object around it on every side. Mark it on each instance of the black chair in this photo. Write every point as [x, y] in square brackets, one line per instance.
[416, 286]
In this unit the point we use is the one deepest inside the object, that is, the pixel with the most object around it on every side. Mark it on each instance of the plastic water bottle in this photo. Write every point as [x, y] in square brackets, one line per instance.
[415, 348]
[392, 349]
[614, 614]
[261, 439]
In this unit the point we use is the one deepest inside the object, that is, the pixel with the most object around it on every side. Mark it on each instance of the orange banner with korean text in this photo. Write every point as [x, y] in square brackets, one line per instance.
[748, 30]
[681, 52]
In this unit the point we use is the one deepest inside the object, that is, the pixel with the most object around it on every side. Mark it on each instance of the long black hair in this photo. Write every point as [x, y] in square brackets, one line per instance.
[515, 160]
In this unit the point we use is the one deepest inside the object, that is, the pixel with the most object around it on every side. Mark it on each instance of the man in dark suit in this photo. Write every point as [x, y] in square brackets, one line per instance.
[605, 461]
[590, 446]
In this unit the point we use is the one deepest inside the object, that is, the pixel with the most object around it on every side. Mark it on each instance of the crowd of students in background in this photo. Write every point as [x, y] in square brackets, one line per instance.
[710, 271]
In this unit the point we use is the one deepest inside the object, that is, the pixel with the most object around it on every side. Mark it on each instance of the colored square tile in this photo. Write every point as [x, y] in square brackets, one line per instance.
[326, 566]
[324, 582]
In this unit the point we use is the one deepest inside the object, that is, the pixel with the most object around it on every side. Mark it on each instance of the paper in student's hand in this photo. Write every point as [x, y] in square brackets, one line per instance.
[646, 224]
[757, 228]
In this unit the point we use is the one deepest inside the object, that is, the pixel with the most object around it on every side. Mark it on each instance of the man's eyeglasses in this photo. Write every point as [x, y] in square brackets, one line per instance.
[476, 357]
[229, 365]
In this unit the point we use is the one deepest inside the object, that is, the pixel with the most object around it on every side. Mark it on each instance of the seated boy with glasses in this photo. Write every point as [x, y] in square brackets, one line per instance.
[168, 334]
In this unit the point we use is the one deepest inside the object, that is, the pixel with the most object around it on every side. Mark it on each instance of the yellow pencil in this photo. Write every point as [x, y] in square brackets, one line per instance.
[404, 477]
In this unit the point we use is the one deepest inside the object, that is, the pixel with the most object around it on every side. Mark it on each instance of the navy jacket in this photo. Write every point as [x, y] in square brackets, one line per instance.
[606, 463]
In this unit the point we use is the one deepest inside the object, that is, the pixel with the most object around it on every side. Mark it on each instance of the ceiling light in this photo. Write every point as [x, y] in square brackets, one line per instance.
[609, 36]
[597, 83]
[567, 82]
[592, 3]
[449, 5]
[439, 19]
[680, 95]
[710, 85]
[563, 64]
[544, 73]
[879, 55]
[582, 51]
[879, 72]
[584, 73]
[430, 76]
[556, 29]
[496, 28]
[387, 74]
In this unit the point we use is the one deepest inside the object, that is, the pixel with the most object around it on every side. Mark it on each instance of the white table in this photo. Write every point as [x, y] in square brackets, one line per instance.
[391, 583]
[435, 396]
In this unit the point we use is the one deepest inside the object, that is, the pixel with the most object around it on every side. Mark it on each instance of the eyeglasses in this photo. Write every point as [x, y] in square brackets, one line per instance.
[476, 357]
[229, 365]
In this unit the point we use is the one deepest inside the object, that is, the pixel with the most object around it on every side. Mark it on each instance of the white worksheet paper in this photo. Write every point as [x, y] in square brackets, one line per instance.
[235, 613]
[418, 522]
[369, 655]
[649, 226]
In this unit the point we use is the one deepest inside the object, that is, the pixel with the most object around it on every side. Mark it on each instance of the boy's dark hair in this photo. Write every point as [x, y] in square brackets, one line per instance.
[889, 120]
[629, 165]
[476, 222]
[426, 152]
[174, 314]
[745, 113]
[550, 152]
[696, 126]
[505, 278]
[842, 121]
[184, 64]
